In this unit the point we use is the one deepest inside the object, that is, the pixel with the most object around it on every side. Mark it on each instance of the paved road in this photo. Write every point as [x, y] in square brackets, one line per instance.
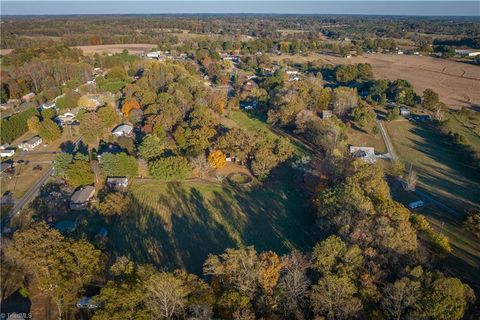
[28, 196]
[32, 192]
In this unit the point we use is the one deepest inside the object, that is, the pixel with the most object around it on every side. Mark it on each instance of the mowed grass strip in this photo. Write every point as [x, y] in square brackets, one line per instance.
[442, 171]
[446, 178]
[177, 224]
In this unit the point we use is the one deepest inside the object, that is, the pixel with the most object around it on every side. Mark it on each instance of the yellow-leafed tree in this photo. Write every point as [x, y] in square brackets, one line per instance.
[33, 124]
[217, 159]
[129, 105]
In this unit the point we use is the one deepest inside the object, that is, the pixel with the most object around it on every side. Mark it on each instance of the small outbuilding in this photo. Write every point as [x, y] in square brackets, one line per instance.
[326, 114]
[118, 183]
[81, 198]
[123, 130]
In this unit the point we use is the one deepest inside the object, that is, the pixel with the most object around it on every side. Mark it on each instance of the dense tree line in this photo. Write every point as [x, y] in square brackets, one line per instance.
[18, 33]
[373, 262]
[16, 125]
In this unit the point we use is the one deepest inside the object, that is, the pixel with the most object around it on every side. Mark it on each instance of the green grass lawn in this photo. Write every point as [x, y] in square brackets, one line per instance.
[467, 126]
[245, 121]
[365, 138]
[444, 176]
[442, 171]
[178, 224]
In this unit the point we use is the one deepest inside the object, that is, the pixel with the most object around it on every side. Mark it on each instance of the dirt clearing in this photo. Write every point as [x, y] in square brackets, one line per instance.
[135, 48]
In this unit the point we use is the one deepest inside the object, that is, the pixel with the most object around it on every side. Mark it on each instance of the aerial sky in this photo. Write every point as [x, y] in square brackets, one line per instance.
[385, 7]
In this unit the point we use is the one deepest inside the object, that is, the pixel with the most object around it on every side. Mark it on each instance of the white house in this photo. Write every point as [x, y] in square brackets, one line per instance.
[326, 114]
[367, 154]
[7, 153]
[292, 72]
[30, 144]
[123, 130]
[48, 105]
[4, 146]
[153, 55]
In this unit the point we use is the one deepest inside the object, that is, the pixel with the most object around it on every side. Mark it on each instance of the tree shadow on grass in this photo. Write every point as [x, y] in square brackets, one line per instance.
[461, 180]
[184, 241]
[199, 220]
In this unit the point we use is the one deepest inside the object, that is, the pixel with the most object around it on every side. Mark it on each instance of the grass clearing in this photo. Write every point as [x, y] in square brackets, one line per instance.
[446, 178]
[442, 173]
[238, 118]
[365, 138]
[179, 224]
[467, 125]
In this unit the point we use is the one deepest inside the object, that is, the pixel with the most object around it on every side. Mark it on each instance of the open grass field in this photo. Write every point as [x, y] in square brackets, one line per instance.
[458, 84]
[441, 171]
[179, 224]
[444, 177]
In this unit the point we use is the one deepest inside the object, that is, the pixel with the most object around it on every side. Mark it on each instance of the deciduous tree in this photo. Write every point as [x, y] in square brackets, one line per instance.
[217, 159]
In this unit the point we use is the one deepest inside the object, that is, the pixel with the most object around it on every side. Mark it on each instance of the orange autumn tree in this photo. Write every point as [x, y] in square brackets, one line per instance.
[217, 159]
[129, 105]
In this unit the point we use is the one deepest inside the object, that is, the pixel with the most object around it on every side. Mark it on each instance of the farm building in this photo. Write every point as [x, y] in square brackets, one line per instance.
[123, 130]
[367, 154]
[4, 146]
[117, 182]
[81, 198]
[30, 144]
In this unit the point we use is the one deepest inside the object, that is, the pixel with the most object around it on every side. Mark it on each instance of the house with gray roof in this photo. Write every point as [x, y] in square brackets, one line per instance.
[123, 130]
[81, 198]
